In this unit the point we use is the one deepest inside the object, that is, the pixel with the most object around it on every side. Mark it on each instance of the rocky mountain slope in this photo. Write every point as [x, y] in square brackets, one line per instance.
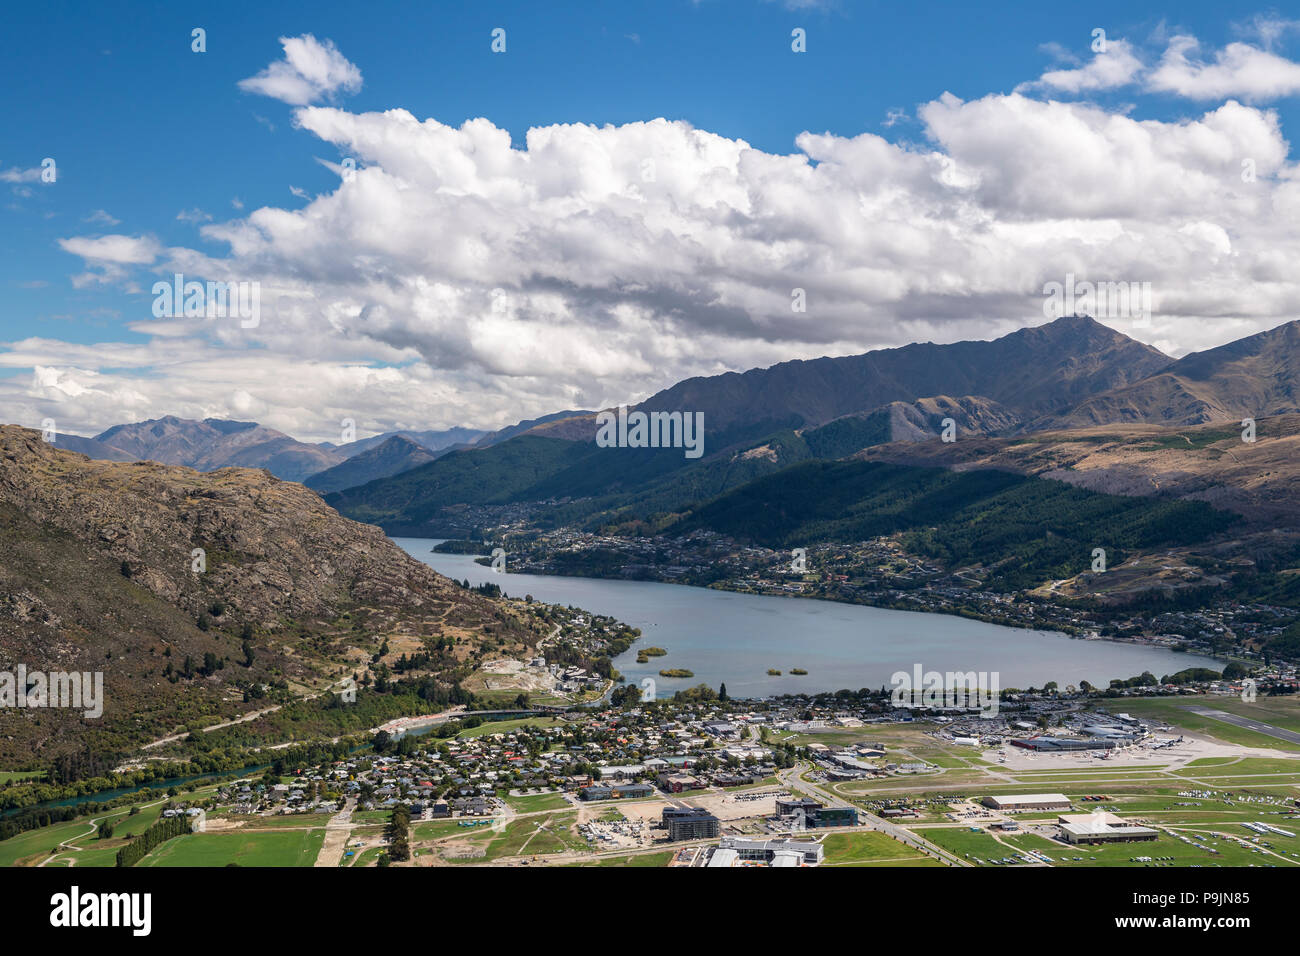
[97, 572]
[1252, 377]
[1032, 372]
[91, 448]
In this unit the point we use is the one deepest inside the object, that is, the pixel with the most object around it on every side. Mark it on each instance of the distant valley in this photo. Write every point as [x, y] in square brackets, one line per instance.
[1014, 457]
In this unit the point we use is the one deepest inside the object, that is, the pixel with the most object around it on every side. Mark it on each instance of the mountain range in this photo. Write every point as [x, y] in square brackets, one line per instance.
[217, 443]
[220, 443]
[1065, 374]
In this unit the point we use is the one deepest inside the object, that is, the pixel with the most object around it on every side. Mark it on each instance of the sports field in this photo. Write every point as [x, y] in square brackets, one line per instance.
[260, 848]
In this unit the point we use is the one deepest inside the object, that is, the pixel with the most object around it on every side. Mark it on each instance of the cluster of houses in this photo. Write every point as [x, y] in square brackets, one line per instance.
[602, 756]
[672, 748]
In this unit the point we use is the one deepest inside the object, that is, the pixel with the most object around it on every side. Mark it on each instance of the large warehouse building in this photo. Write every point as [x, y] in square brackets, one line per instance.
[1028, 801]
[1101, 827]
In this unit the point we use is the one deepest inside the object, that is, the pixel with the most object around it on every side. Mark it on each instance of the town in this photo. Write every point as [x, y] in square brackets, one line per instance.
[1053, 778]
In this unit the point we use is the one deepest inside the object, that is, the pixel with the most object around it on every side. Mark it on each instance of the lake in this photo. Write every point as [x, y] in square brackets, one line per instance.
[734, 638]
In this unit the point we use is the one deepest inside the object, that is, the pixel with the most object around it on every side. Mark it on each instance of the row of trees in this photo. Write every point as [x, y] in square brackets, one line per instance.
[155, 836]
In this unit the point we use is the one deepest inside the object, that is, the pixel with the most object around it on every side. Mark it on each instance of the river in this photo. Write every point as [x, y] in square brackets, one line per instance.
[722, 636]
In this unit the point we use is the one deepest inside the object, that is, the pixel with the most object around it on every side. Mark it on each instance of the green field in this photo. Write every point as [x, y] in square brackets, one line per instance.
[965, 844]
[8, 776]
[263, 848]
[35, 845]
[532, 802]
[363, 857]
[438, 829]
[1245, 766]
[509, 726]
[870, 848]
[1281, 712]
[661, 858]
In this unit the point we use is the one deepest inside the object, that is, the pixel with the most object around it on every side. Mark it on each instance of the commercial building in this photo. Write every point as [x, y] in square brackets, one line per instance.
[1071, 743]
[847, 761]
[789, 806]
[816, 815]
[767, 851]
[836, 817]
[677, 782]
[1101, 827]
[899, 813]
[723, 858]
[622, 791]
[1028, 801]
[690, 823]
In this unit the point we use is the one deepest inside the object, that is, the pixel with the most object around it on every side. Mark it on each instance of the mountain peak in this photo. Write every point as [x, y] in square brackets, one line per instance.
[1249, 378]
[394, 455]
[217, 443]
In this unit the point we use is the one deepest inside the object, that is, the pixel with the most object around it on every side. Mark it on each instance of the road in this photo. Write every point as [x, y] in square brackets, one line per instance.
[251, 715]
[337, 832]
[792, 780]
[69, 845]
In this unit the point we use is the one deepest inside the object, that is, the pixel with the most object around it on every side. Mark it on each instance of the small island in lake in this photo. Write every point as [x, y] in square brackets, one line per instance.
[773, 672]
[460, 546]
[644, 654]
[677, 672]
[798, 670]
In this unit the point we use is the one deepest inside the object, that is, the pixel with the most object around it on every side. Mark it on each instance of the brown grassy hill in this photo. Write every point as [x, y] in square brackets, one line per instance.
[96, 574]
[1209, 463]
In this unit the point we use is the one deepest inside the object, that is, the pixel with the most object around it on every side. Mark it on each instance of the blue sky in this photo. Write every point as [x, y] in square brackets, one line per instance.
[154, 141]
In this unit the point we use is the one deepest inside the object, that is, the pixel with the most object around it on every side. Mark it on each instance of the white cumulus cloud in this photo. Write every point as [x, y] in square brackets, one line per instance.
[311, 71]
[1238, 70]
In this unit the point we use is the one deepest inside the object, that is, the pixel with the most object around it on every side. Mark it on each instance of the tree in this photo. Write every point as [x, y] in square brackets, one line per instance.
[399, 833]
[722, 691]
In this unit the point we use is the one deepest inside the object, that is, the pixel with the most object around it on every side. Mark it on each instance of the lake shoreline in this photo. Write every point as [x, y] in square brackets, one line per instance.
[736, 637]
[1075, 633]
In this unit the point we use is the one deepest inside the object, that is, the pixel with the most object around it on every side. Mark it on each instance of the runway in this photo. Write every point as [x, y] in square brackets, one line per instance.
[1288, 735]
